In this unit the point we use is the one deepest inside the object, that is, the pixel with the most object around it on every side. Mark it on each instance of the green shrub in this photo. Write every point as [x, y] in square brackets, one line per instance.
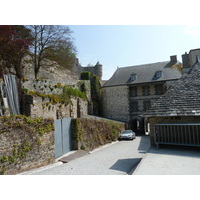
[70, 91]
[91, 133]
[85, 75]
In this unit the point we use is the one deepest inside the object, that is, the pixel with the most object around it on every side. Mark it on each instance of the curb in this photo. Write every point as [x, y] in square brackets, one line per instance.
[40, 169]
[103, 146]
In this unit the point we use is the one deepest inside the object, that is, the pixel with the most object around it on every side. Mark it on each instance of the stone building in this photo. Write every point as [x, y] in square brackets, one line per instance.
[189, 59]
[178, 111]
[95, 70]
[132, 90]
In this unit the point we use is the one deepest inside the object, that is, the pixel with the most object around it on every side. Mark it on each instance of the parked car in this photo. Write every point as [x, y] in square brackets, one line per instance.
[127, 134]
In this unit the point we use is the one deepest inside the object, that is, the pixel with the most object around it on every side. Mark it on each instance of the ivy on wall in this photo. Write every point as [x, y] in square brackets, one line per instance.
[91, 133]
[85, 75]
[96, 95]
[20, 137]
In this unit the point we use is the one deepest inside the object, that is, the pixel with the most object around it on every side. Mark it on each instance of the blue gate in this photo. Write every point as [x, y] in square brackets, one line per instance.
[62, 135]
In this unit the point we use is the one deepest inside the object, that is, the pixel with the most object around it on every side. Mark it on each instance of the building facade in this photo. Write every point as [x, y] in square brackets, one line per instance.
[178, 111]
[132, 90]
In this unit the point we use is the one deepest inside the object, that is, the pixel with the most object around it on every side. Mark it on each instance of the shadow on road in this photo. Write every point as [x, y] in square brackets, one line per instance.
[126, 165]
[188, 151]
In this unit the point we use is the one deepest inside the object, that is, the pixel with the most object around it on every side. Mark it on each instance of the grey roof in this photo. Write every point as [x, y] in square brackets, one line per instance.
[145, 73]
[182, 99]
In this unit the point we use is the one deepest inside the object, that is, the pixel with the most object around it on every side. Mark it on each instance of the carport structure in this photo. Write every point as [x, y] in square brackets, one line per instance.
[175, 117]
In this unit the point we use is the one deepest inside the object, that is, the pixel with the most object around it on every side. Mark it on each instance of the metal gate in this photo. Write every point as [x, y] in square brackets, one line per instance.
[177, 134]
[62, 135]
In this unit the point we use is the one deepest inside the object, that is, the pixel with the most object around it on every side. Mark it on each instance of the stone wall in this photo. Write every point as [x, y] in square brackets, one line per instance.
[88, 134]
[116, 103]
[47, 86]
[49, 70]
[175, 119]
[25, 143]
[43, 107]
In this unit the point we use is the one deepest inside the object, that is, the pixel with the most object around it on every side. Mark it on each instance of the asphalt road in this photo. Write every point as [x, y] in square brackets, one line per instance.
[119, 158]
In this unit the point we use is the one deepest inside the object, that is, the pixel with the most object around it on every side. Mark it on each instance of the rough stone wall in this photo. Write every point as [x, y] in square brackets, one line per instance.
[180, 119]
[44, 108]
[47, 86]
[23, 146]
[141, 98]
[89, 134]
[116, 103]
[49, 70]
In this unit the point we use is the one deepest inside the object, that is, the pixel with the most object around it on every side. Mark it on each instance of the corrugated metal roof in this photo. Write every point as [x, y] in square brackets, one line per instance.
[145, 73]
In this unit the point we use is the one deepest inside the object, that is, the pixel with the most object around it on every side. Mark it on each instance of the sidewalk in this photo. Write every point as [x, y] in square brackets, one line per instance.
[170, 160]
[72, 155]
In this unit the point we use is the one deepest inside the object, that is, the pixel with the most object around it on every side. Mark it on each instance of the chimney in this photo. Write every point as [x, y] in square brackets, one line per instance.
[173, 59]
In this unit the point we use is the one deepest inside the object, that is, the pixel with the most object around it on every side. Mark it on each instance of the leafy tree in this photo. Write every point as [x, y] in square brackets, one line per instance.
[64, 54]
[53, 42]
[14, 44]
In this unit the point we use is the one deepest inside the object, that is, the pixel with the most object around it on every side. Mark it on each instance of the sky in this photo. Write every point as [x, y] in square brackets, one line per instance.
[127, 45]
[152, 31]
[117, 33]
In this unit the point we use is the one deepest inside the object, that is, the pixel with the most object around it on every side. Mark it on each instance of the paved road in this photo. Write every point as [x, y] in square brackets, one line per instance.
[170, 160]
[119, 158]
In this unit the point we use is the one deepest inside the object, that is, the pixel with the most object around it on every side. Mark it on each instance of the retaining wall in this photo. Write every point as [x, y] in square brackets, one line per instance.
[25, 143]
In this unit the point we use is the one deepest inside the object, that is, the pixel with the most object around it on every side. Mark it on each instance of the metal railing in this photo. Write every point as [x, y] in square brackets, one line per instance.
[177, 134]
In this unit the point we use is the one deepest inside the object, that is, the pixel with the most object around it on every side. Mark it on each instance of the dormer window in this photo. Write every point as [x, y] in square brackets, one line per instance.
[158, 74]
[133, 77]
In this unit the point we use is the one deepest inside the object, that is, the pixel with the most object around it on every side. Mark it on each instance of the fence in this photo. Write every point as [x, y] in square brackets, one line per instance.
[178, 134]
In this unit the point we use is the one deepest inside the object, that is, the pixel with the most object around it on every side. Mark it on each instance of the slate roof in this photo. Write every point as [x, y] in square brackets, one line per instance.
[182, 99]
[145, 73]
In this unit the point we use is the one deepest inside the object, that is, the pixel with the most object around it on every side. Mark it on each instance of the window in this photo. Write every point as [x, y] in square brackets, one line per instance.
[133, 77]
[158, 74]
[146, 91]
[133, 91]
[134, 106]
[158, 89]
[147, 105]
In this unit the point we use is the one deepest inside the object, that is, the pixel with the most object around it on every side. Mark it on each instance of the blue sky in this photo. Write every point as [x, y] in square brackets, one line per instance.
[118, 33]
[126, 45]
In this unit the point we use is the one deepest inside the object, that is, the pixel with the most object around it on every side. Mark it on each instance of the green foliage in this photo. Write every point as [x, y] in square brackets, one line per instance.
[90, 133]
[31, 131]
[82, 86]
[25, 90]
[4, 159]
[85, 75]
[65, 97]
[96, 94]
[70, 91]
[76, 130]
[58, 85]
